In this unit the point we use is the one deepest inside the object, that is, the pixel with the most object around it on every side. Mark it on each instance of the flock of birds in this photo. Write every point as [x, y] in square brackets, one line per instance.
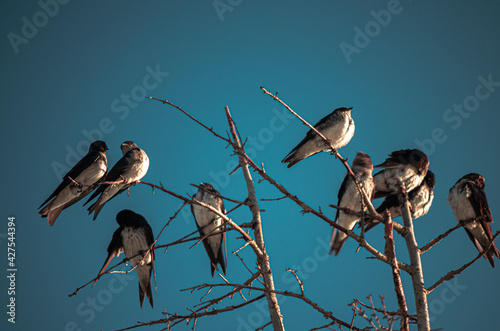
[134, 237]
[407, 169]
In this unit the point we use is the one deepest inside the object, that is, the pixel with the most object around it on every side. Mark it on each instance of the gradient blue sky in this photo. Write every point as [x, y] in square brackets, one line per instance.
[69, 80]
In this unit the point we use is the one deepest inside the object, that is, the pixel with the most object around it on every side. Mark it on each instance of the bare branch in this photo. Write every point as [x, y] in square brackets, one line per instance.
[450, 275]
[322, 327]
[263, 326]
[438, 239]
[417, 276]
[263, 259]
[194, 316]
[191, 117]
[383, 309]
[301, 283]
[111, 270]
[307, 209]
[275, 199]
[362, 313]
[326, 314]
[396, 273]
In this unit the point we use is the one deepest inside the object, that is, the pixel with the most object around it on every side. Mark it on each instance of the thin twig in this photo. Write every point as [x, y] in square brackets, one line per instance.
[191, 117]
[326, 314]
[301, 284]
[275, 199]
[438, 239]
[450, 275]
[263, 326]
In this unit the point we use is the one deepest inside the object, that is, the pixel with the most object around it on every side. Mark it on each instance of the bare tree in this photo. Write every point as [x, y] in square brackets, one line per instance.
[261, 279]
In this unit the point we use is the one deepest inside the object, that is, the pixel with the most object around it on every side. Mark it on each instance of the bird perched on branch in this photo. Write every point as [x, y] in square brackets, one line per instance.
[338, 127]
[407, 167]
[210, 225]
[78, 182]
[134, 238]
[420, 199]
[468, 201]
[349, 197]
[128, 170]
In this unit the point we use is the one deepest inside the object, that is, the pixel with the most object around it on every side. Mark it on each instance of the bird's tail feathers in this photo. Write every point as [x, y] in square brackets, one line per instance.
[96, 209]
[337, 241]
[54, 214]
[145, 287]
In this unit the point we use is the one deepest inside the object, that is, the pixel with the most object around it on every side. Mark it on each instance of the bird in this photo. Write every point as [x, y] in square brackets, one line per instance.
[208, 223]
[349, 197]
[130, 168]
[338, 127]
[420, 199]
[467, 200]
[408, 167]
[78, 182]
[134, 238]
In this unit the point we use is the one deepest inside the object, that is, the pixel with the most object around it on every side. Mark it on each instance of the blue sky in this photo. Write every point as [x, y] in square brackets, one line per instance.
[419, 75]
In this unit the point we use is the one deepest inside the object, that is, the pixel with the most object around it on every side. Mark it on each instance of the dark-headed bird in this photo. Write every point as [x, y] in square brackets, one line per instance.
[131, 168]
[134, 238]
[210, 225]
[338, 127]
[420, 199]
[408, 166]
[468, 201]
[349, 197]
[78, 182]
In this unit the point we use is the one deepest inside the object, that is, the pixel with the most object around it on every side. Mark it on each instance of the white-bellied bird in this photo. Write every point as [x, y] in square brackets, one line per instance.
[338, 127]
[468, 201]
[78, 182]
[210, 225]
[349, 197]
[134, 238]
[129, 169]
